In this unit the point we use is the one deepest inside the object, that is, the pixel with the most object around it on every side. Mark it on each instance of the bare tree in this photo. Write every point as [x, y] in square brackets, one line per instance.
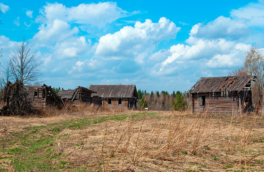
[6, 73]
[254, 64]
[239, 72]
[24, 65]
[24, 70]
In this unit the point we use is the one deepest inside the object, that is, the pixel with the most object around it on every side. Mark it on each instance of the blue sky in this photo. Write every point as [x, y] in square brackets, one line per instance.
[156, 45]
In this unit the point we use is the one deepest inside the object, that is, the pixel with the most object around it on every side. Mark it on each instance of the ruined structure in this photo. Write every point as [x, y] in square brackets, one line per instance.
[78, 95]
[43, 97]
[116, 96]
[26, 99]
[230, 94]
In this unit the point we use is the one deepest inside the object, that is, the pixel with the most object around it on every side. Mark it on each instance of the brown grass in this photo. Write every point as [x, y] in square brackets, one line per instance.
[151, 141]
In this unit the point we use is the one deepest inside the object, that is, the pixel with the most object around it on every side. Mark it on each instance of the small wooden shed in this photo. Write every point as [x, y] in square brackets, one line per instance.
[229, 94]
[116, 96]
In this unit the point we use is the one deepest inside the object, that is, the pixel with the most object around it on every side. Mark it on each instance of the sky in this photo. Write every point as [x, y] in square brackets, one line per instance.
[156, 45]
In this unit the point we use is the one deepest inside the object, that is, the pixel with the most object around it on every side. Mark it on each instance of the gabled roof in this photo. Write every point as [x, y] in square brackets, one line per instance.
[114, 91]
[218, 84]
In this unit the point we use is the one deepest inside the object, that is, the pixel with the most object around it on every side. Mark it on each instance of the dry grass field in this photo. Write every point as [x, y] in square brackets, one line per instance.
[132, 141]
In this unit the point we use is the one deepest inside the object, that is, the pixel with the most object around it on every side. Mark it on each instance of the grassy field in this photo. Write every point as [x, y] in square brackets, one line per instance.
[132, 141]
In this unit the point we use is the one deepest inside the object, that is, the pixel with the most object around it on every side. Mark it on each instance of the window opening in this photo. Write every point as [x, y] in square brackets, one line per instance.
[119, 101]
[109, 101]
[35, 92]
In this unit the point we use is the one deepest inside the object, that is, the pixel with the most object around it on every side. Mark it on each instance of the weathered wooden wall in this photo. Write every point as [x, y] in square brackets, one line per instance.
[124, 104]
[42, 99]
[215, 104]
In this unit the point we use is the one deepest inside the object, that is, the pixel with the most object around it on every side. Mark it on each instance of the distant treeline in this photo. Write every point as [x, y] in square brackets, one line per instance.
[56, 90]
[163, 100]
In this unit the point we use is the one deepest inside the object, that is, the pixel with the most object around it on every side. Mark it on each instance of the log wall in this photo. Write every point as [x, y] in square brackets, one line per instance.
[215, 104]
[124, 104]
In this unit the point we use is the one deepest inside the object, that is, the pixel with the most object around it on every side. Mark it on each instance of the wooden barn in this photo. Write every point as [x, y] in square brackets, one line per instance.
[43, 97]
[230, 94]
[77, 96]
[116, 96]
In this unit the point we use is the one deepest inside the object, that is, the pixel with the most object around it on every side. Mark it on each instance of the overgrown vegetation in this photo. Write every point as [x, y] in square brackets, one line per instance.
[152, 141]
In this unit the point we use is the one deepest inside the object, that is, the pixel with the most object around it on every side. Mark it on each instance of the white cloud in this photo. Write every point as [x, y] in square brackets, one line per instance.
[73, 47]
[55, 32]
[29, 13]
[222, 27]
[136, 42]
[16, 22]
[89, 14]
[252, 14]
[159, 56]
[6, 43]
[214, 53]
[195, 29]
[4, 8]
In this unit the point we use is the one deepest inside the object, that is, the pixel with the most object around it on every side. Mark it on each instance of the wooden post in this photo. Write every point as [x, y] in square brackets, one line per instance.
[239, 103]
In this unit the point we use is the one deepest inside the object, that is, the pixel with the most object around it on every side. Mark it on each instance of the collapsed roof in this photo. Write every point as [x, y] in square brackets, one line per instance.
[69, 94]
[218, 84]
[114, 91]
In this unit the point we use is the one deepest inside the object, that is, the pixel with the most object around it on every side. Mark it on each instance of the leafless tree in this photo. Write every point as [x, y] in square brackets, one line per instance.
[6, 73]
[239, 72]
[24, 65]
[254, 64]
[24, 70]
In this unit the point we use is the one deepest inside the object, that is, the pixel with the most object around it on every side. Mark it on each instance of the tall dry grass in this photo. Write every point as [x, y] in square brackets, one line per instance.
[175, 141]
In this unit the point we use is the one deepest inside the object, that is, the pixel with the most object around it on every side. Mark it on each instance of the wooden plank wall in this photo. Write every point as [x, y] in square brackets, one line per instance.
[215, 105]
[114, 103]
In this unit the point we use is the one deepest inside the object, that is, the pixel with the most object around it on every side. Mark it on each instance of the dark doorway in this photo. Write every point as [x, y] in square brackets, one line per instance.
[203, 100]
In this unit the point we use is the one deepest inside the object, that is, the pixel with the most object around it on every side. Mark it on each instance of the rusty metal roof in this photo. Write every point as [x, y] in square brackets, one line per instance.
[114, 91]
[218, 84]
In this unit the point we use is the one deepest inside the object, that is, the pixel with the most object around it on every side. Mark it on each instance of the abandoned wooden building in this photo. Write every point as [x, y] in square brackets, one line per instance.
[116, 96]
[78, 96]
[43, 97]
[230, 94]
[37, 96]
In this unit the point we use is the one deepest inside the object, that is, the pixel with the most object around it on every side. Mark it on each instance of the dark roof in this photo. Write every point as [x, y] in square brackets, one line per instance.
[218, 84]
[67, 94]
[114, 91]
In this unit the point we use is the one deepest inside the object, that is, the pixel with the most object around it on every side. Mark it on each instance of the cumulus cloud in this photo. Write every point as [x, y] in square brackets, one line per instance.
[214, 53]
[222, 27]
[72, 47]
[89, 14]
[55, 31]
[253, 14]
[6, 43]
[29, 13]
[4, 8]
[136, 42]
